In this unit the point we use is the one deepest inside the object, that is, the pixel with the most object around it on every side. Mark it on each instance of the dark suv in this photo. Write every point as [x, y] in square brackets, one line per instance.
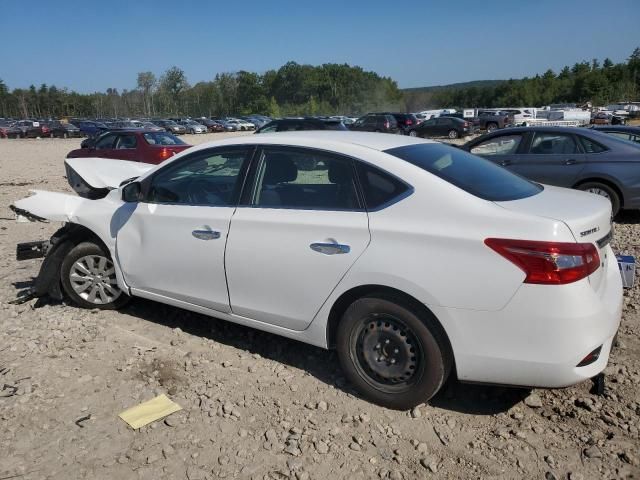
[295, 124]
[405, 120]
[376, 122]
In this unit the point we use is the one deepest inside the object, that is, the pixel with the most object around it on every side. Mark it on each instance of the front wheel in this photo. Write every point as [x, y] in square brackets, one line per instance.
[605, 191]
[453, 134]
[393, 354]
[89, 278]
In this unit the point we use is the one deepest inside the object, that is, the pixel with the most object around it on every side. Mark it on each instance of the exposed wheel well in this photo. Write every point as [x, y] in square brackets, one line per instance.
[605, 182]
[350, 296]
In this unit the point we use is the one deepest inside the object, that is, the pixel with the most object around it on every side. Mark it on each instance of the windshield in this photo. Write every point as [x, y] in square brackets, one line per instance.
[472, 174]
[162, 139]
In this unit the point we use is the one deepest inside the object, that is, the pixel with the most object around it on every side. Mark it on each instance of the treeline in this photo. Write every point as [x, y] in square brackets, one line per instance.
[293, 89]
[600, 84]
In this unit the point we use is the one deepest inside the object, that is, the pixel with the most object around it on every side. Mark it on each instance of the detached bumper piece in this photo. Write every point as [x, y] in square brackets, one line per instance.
[30, 250]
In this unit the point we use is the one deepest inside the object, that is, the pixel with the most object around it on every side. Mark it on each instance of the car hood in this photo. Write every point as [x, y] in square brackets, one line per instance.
[101, 173]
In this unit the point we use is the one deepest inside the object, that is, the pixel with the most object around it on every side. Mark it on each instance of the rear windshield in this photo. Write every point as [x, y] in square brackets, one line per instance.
[472, 174]
[162, 139]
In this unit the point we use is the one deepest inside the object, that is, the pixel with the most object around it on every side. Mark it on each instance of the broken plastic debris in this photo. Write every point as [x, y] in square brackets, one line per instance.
[150, 411]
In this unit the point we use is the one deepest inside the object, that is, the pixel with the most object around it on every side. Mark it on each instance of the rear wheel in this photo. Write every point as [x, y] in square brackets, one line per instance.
[492, 127]
[89, 278]
[394, 355]
[413, 133]
[603, 190]
[453, 134]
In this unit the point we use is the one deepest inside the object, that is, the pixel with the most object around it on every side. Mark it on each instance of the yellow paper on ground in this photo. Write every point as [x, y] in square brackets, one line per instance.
[150, 411]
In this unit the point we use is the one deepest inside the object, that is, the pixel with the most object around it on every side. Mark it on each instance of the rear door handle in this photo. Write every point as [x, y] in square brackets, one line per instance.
[330, 248]
[505, 163]
[571, 161]
[206, 234]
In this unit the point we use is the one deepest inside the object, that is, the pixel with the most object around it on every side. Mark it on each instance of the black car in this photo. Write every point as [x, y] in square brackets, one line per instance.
[294, 124]
[64, 130]
[621, 131]
[571, 157]
[376, 122]
[443, 127]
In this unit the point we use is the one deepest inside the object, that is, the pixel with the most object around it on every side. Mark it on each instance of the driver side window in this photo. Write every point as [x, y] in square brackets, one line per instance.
[106, 142]
[210, 178]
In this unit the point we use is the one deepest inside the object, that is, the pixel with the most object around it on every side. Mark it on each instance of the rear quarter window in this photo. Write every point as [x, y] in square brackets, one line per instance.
[475, 175]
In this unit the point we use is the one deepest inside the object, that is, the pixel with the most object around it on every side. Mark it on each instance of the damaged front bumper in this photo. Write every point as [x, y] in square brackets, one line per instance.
[31, 250]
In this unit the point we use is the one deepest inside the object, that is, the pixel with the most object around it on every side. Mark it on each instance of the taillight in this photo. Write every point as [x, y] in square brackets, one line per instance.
[409, 121]
[548, 263]
[467, 124]
[165, 153]
[386, 124]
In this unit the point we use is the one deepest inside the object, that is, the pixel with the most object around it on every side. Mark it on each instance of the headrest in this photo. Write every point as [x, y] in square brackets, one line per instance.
[340, 172]
[279, 169]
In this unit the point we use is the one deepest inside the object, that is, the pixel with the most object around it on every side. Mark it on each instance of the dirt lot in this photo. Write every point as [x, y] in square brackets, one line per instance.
[259, 406]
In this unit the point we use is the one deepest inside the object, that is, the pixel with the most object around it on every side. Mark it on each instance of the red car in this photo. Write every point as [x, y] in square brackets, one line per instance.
[134, 145]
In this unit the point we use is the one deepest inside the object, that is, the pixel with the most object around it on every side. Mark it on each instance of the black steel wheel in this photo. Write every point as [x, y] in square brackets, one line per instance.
[395, 353]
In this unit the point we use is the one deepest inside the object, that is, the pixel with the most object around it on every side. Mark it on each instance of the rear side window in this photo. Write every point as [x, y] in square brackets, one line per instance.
[291, 178]
[379, 188]
[553, 144]
[472, 174]
[590, 146]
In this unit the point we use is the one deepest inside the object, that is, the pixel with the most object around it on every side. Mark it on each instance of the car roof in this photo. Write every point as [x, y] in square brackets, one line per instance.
[323, 138]
[617, 128]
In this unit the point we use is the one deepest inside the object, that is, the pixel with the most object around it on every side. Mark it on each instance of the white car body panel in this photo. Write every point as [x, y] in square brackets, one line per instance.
[172, 261]
[274, 276]
[428, 245]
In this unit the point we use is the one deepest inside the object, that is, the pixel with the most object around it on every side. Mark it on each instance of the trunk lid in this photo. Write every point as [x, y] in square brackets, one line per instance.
[587, 215]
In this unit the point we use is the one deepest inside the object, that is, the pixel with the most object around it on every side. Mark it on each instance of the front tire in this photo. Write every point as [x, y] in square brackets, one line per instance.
[89, 279]
[395, 355]
[603, 190]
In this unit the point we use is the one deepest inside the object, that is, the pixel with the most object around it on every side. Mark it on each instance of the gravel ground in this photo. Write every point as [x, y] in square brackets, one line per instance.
[260, 406]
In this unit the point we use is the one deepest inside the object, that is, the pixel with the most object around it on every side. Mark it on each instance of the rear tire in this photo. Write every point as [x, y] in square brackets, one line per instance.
[413, 133]
[603, 190]
[394, 354]
[89, 280]
[453, 134]
[491, 127]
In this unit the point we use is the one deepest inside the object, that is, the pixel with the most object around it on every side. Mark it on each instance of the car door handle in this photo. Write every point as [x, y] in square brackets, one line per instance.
[330, 248]
[505, 163]
[206, 234]
[571, 161]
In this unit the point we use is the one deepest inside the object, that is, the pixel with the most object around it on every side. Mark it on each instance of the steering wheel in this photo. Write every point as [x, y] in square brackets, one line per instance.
[202, 192]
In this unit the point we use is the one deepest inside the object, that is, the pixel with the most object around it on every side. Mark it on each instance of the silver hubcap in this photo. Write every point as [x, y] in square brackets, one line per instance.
[412, 133]
[452, 134]
[599, 191]
[93, 278]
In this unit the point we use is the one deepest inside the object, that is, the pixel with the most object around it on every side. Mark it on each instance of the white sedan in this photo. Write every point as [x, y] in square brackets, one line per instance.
[415, 260]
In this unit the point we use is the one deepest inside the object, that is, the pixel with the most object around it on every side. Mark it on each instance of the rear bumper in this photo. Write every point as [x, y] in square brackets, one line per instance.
[541, 336]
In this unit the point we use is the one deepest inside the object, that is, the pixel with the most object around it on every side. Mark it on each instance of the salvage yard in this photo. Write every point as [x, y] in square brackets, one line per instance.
[258, 406]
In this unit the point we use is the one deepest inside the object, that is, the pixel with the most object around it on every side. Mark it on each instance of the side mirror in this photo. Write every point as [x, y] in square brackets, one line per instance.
[131, 192]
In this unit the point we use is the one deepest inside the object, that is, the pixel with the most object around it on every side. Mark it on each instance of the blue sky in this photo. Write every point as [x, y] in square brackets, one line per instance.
[89, 46]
